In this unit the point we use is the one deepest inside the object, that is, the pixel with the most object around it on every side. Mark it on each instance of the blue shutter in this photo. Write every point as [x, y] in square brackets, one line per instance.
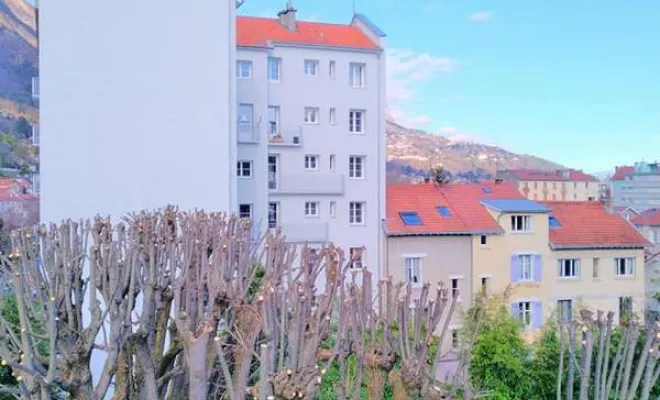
[515, 268]
[538, 268]
[537, 314]
[515, 310]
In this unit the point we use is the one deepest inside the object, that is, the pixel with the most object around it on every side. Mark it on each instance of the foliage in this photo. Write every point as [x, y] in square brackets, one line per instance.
[23, 127]
[440, 176]
[544, 363]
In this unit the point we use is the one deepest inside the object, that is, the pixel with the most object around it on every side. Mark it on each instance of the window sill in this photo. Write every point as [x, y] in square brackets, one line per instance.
[529, 284]
[356, 223]
[358, 87]
[312, 216]
[625, 277]
[274, 81]
[356, 178]
[522, 232]
[311, 123]
[243, 78]
[355, 133]
[244, 177]
[568, 278]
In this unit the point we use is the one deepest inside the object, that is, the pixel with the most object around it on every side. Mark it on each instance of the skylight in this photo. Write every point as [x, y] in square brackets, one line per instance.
[487, 190]
[554, 222]
[410, 218]
[444, 211]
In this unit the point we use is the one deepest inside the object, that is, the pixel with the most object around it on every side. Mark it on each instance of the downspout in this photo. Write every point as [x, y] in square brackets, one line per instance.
[381, 163]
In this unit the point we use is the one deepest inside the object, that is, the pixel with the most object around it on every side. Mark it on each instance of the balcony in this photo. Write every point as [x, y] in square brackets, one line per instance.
[314, 232]
[284, 136]
[35, 135]
[247, 133]
[307, 183]
[35, 87]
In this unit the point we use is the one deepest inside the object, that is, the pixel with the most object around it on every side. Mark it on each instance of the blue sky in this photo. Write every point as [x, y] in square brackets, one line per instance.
[576, 82]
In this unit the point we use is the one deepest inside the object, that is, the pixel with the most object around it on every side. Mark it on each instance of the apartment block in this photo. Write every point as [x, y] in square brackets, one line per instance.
[555, 257]
[557, 185]
[636, 186]
[648, 224]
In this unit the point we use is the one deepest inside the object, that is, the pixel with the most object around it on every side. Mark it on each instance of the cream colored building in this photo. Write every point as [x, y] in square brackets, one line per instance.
[558, 185]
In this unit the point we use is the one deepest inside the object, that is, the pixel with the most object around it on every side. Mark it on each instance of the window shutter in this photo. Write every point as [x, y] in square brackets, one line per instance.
[515, 268]
[537, 314]
[515, 310]
[538, 267]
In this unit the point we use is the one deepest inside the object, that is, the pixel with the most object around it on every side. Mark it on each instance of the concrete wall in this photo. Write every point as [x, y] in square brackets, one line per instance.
[137, 106]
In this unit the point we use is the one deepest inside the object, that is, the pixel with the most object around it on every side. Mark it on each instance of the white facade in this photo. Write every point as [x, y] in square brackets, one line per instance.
[640, 189]
[137, 106]
[296, 132]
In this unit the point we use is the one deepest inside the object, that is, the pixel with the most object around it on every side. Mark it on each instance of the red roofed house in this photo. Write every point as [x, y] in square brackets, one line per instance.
[18, 205]
[563, 185]
[557, 256]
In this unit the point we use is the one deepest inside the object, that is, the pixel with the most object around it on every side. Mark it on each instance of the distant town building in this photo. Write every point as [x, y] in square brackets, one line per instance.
[636, 186]
[557, 185]
[648, 223]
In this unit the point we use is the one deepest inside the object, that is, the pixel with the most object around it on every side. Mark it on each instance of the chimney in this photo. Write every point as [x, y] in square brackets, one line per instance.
[288, 17]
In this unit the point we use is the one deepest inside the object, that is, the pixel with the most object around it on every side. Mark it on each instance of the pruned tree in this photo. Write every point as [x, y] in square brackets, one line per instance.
[440, 176]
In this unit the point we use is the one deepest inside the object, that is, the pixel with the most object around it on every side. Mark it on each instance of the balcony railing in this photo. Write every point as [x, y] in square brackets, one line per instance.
[307, 183]
[248, 133]
[313, 232]
[284, 136]
[35, 87]
[35, 135]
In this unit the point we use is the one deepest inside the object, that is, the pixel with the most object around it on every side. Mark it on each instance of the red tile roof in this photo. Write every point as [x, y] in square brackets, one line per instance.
[648, 217]
[557, 175]
[620, 173]
[11, 190]
[255, 32]
[467, 214]
[588, 224]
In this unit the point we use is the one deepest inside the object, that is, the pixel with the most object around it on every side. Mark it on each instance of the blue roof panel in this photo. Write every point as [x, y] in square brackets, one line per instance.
[515, 206]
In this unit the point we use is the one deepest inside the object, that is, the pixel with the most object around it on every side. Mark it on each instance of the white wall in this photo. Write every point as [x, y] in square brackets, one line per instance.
[137, 106]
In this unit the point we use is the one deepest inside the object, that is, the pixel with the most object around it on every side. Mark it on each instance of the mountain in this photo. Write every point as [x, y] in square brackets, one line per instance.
[412, 152]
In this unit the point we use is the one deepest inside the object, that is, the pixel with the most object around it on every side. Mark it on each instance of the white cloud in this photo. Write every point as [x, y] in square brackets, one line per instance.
[407, 71]
[481, 16]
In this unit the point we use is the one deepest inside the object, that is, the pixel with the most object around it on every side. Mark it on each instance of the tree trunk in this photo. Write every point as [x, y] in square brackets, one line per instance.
[195, 351]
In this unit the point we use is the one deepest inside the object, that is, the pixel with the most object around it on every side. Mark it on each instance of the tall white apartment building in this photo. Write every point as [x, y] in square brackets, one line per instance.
[311, 130]
[157, 102]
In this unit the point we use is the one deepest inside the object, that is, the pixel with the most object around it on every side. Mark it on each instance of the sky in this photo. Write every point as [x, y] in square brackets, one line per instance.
[573, 81]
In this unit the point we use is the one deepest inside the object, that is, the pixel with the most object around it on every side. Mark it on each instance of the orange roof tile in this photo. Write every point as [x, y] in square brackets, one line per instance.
[557, 175]
[467, 214]
[588, 224]
[620, 173]
[255, 32]
[647, 218]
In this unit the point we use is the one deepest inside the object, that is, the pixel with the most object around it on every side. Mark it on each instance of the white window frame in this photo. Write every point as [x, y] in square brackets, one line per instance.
[356, 167]
[455, 291]
[356, 212]
[333, 162]
[561, 310]
[311, 162]
[359, 262]
[354, 126]
[357, 75]
[312, 209]
[568, 268]
[311, 68]
[624, 266]
[412, 268]
[332, 117]
[240, 71]
[526, 262]
[274, 65]
[311, 115]
[240, 215]
[273, 123]
[244, 169]
[525, 314]
[521, 223]
[273, 214]
[333, 209]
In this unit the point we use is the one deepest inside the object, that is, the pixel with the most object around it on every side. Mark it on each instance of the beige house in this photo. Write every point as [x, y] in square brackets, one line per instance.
[558, 185]
[555, 256]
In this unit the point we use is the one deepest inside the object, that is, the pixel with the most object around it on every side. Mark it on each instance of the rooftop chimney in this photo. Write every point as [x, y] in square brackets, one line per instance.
[288, 17]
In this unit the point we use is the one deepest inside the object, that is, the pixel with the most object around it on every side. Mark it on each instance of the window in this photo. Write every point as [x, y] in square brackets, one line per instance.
[245, 211]
[357, 255]
[553, 222]
[274, 69]
[356, 75]
[526, 268]
[624, 266]
[521, 223]
[569, 268]
[245, 117]
[625, 309]
[565, 310]
[333, 116]
[656, 236]
[484, 240]
[333, 209]
[273, 215]
[244, 69]
[413, 266]
[596, 262]
[311, 163]
[273, 120]
[485, 285]
[312, 209]
[332, 162]
[311, 68]
[487, 190]
[444, 211]
[454, 288]
[454, 339]
[35, 134]
[311, 115]
[410, 218]
[244, 169]
[356, 167]
[356, 121]
[525, 313]
[356, 213]
[331, 69]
